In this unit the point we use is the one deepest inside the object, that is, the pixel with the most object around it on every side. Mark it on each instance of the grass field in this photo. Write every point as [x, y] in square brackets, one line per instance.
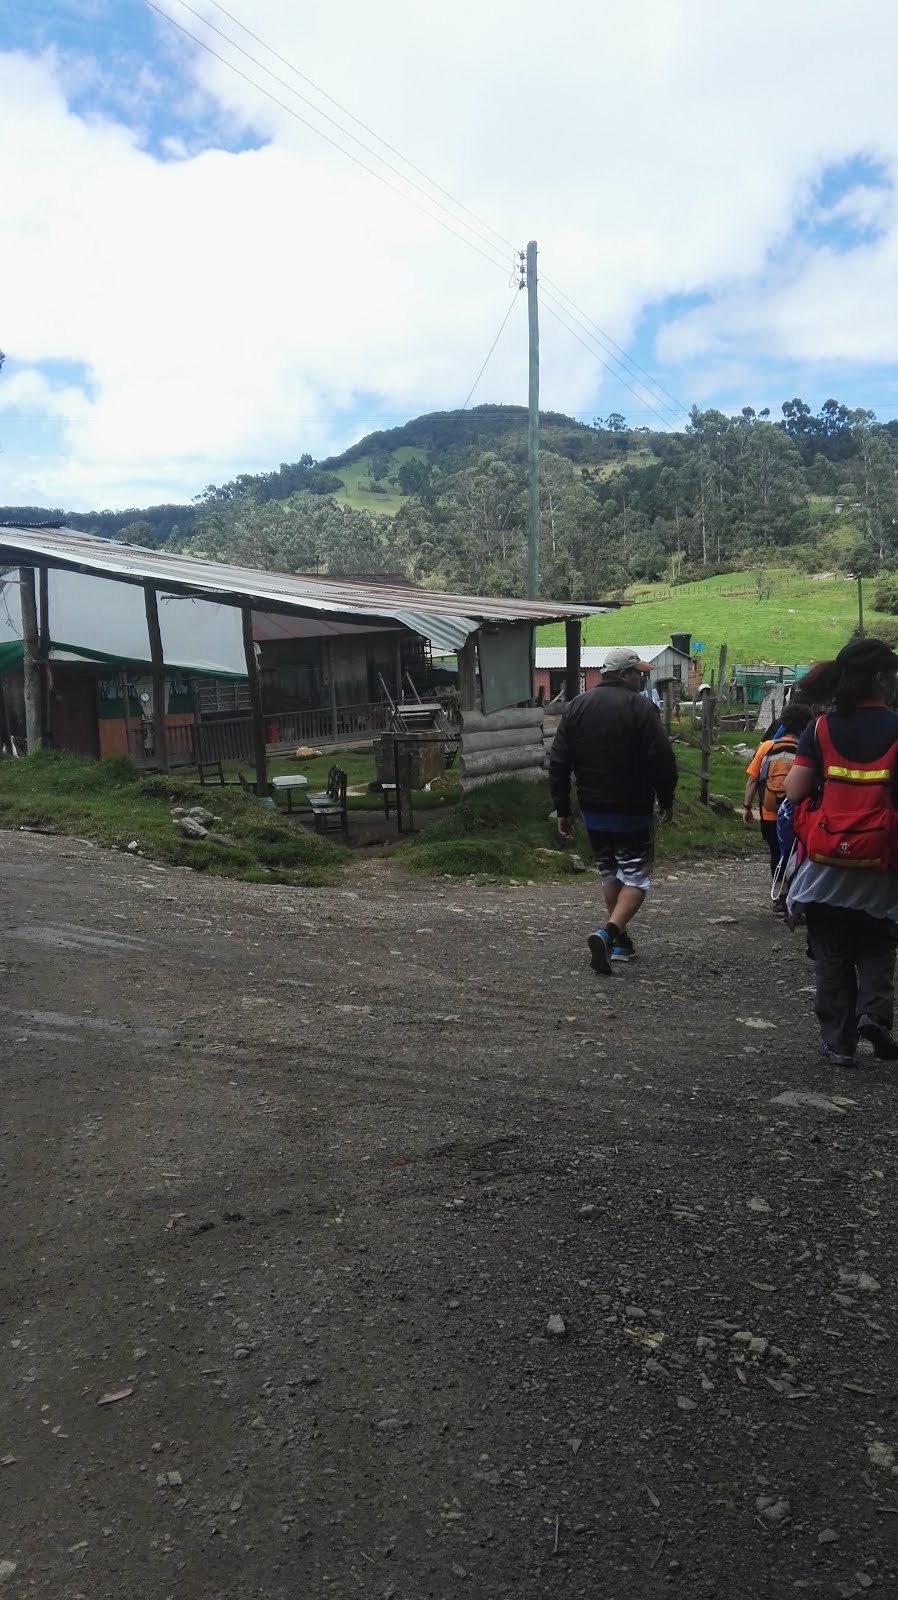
[357, 497]
[804, 619]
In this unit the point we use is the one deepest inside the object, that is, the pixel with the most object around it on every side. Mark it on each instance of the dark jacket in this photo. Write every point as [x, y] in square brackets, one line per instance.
[616, 746]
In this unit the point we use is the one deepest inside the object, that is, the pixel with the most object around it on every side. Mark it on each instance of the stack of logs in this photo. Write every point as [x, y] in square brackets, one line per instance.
[502, 744]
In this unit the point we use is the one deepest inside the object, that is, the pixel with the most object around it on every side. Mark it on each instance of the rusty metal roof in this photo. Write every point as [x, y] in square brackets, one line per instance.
[445, 619]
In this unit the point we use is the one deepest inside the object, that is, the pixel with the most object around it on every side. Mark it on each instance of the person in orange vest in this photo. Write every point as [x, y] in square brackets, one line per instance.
[766, 776]
[843, 786]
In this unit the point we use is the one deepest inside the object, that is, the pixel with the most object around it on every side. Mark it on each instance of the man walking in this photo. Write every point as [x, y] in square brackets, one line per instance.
[614, 742]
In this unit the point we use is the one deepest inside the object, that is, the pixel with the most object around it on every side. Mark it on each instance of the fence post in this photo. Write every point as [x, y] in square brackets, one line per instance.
[721, 679]
[709, 712]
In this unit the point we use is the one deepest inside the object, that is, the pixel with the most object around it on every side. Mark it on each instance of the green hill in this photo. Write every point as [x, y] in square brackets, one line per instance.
[443, 499]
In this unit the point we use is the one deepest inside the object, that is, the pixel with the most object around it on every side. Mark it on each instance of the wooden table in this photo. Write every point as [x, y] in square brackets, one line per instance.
[289, 782]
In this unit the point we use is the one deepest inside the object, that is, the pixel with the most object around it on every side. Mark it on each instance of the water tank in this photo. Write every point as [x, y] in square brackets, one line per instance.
[682, 641]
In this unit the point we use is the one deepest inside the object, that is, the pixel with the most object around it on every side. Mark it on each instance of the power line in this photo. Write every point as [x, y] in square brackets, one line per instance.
[332, 120]
[680, 407]
[360, 124]
[622, 359]
[597, 357]
[626, 372]
[503, 266]
[491, 349]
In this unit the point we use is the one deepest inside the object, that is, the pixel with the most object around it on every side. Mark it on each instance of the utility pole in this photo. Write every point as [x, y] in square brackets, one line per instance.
[860, 607]
[533, 428]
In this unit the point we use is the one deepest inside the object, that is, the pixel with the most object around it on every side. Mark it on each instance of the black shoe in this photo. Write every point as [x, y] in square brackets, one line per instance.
[623, 948]
[885, 1048]
[600, 951]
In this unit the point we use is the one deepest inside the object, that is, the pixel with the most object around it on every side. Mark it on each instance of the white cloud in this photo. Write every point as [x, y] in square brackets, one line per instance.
[229, 306]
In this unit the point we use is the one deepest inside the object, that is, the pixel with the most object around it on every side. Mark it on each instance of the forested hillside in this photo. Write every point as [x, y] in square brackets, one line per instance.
[442, 501]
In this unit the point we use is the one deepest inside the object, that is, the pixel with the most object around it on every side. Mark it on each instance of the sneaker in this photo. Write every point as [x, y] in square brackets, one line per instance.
[885, 1048]
[600, 951]
[623, 948]
[835, 1058]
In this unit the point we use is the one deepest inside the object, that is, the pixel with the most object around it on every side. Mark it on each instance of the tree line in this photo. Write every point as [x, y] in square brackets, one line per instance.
[619, 504]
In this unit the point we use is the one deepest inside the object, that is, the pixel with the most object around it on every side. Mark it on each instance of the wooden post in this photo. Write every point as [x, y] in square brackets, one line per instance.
[5, 731]
[709, 712]
[332, 679]
[43, 645]
[860, 608]
[467, 674]
[255, 695]
[34, 730]
[573, 630]
[721, 680]
[668, 705]
[533, 427]
[157, 663]
[126, 702]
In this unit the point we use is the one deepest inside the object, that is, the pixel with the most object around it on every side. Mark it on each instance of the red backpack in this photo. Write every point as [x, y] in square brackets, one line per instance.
[853, 822]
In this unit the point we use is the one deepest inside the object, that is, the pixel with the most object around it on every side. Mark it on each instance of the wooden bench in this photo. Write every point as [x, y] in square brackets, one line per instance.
[329, 807]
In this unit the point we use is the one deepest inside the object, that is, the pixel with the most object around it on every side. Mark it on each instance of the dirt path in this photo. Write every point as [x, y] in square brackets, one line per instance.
[309, 1172]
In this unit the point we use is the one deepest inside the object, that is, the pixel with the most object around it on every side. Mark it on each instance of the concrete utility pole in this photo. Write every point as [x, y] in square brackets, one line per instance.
[533, 428]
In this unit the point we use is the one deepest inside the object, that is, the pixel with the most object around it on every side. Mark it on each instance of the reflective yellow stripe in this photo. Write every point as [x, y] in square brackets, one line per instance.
[845, 861]
[858, 775]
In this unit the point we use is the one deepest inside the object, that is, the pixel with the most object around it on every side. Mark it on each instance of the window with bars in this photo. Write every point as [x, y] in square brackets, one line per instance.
[214, 696]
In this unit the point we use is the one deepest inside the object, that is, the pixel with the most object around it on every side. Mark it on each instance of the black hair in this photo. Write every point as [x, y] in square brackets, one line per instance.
[860, 672]
[796, 716]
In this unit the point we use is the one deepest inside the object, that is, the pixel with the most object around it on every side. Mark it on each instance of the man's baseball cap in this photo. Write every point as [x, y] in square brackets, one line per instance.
[623, 659]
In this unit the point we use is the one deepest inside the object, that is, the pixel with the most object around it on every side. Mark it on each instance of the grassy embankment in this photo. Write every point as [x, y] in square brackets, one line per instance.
[498, 832]
[111, 804]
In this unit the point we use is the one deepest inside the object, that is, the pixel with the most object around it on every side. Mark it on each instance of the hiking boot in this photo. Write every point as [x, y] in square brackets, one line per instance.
[623, 948]
[600, 951]
[885, 1047]
[835, 1058]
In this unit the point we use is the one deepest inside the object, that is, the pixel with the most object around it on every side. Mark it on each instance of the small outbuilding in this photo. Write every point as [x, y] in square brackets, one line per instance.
[669, 665]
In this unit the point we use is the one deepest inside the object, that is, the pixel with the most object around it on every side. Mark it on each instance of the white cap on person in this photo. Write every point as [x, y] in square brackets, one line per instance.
[624, 659]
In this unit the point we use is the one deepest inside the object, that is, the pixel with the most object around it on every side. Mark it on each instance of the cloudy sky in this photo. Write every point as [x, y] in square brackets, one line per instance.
[195, 282]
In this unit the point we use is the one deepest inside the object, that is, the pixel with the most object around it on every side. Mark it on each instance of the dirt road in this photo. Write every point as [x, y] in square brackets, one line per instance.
[304, 1176]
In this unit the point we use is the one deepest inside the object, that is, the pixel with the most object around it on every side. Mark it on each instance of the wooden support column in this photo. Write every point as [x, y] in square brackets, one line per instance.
[467, 674]
[160, 742]
[126, 702]
[255, 695]
[43, 645]
[573, 630]
[34, 727]
[332, 680]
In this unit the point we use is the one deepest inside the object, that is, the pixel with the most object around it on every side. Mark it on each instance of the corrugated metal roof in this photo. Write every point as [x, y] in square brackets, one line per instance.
[551, 657]
[445, 619]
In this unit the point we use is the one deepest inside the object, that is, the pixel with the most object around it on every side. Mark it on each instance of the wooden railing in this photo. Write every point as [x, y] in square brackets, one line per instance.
[231, 738]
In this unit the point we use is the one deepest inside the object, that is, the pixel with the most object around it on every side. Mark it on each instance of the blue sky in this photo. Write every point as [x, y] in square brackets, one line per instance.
[198, 284]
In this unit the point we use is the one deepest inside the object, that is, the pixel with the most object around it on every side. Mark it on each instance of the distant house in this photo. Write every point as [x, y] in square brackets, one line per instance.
[668, 665]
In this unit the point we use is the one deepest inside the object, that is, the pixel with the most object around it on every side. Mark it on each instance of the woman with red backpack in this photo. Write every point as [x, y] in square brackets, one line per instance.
[844, 787]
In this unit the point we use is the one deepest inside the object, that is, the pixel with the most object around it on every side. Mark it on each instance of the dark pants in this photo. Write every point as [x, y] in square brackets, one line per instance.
[854, 960]
[768, 834]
